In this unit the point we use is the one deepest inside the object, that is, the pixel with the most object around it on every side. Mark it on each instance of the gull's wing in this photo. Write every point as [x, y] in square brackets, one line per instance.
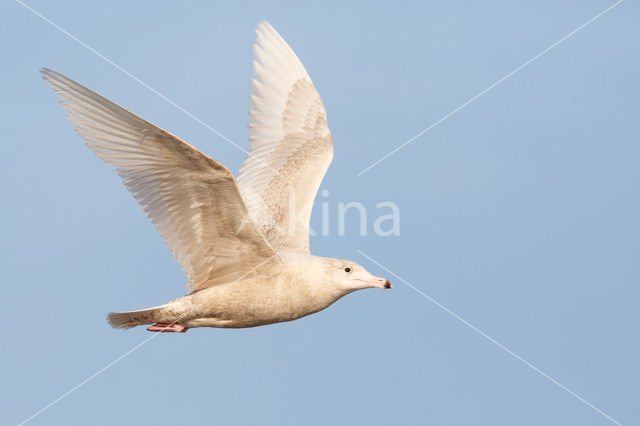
[192, 200]
[290, 144]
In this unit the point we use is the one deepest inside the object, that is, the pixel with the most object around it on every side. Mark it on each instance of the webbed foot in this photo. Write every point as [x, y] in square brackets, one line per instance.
[167, 327]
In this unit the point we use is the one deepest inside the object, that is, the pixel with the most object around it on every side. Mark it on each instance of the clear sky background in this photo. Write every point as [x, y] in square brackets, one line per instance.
[520, 213]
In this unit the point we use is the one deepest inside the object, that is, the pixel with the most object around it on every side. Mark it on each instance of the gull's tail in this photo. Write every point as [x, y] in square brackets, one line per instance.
[161, 314]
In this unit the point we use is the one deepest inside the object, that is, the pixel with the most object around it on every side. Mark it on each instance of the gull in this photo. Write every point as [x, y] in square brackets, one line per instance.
[243, 243]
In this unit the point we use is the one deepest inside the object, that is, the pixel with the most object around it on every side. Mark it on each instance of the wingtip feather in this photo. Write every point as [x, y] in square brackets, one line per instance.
[263, 25]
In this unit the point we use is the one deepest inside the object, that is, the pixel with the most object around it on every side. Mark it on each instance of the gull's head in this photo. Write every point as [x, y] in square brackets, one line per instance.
[348, 276]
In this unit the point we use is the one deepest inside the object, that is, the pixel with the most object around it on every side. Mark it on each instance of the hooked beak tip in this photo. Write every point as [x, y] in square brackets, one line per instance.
[376, 282]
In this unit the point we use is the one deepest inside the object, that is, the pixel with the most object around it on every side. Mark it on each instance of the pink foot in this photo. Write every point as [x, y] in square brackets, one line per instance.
[166, 327]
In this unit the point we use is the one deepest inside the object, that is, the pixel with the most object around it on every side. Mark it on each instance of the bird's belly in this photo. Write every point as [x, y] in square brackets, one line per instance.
[251, 304]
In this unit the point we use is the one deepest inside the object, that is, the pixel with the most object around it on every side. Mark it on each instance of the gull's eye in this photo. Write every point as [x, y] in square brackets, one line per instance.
[347, 269]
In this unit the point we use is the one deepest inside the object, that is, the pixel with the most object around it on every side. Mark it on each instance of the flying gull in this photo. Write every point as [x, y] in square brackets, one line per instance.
[243, 243]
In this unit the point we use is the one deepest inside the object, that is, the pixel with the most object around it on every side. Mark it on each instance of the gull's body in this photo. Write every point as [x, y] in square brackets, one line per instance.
[244, 246]
[282, 292]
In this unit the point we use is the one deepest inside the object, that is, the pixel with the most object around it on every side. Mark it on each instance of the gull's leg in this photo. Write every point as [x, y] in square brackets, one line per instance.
[167, 327]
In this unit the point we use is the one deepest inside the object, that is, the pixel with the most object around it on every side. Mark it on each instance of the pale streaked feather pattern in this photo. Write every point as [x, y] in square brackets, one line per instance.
[290, 141]
[191, 199]
[248, 262]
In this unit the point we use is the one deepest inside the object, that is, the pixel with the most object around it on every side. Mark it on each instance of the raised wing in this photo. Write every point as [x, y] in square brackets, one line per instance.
[191, 199]
[290, 144]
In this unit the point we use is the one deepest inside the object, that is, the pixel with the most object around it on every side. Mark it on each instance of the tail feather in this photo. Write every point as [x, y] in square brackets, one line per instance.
[131, 319]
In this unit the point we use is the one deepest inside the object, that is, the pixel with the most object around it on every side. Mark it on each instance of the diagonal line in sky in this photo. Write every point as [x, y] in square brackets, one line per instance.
[101, 56]
[121, 357]
[492, 340]
[88, 379]
[489, 88]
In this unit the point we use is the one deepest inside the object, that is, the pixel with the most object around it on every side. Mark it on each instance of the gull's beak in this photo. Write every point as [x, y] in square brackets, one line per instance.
[377, 282]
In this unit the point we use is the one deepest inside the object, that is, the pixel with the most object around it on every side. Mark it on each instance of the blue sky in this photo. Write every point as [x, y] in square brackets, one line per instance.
[520, 213]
